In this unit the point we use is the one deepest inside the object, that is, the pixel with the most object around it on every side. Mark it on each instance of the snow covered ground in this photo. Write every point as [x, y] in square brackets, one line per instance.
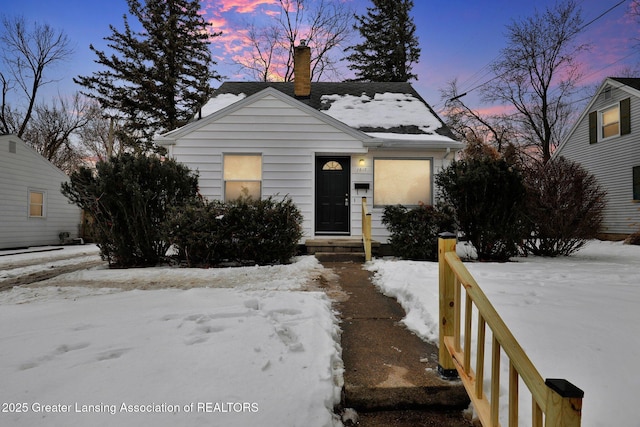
[232, 347]
[577, 318]
[260, 345]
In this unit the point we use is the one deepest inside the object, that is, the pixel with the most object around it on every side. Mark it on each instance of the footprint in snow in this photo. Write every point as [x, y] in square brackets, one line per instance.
[58, 351]
[112, 354]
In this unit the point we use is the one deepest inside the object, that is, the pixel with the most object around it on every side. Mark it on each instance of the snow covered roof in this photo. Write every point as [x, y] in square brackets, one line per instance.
[392, 109]
[219, 102]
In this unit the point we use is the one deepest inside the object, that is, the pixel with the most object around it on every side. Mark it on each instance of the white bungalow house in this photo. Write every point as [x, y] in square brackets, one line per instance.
[33, 210]
[325, 145]
[606, 141]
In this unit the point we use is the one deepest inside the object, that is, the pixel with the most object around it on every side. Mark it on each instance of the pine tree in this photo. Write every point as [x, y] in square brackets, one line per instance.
[158, 77]
[390, 46]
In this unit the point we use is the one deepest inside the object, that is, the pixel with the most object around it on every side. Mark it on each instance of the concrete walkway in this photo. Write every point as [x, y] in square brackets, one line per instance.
[390, 374]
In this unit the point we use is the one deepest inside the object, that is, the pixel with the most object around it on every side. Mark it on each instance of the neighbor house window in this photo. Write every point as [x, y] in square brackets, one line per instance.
[401, 181]
[609, 122]
[636, 183]
[242, 176]
[36, 204]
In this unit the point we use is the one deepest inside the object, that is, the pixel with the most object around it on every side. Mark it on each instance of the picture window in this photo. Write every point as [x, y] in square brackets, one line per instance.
[242, 176]
[406, 182]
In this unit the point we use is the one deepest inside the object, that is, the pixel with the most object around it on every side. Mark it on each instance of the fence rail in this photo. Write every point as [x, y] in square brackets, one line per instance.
[556, 402]
[366, 230]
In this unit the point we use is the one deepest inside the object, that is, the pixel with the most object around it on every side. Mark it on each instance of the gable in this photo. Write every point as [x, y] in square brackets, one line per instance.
[265, 111]
[624, 95]
[15, 154]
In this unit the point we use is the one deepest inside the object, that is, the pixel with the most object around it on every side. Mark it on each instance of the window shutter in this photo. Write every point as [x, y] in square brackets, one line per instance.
[636, 183]
[625, 116]
[593, 127]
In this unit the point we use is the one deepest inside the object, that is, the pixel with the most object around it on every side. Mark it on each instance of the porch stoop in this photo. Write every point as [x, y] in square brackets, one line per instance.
[339, 249]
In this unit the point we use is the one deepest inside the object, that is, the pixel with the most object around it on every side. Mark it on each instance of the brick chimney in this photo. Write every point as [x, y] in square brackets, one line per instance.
[302, 70]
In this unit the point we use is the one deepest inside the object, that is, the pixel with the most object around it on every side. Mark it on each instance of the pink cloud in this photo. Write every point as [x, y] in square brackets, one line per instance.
[495, 110]
[613, 48]
[239, 6]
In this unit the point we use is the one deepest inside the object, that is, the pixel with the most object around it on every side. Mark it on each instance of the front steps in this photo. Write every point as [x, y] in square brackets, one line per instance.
[330, 249]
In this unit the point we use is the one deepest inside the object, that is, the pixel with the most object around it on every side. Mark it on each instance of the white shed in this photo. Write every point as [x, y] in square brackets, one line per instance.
[33, 210]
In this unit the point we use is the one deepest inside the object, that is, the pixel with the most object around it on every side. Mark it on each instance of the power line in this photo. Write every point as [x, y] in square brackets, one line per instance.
[601, 15]
[573, 35]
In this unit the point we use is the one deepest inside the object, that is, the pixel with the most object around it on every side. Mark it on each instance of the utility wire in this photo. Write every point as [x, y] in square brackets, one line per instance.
[577, 32]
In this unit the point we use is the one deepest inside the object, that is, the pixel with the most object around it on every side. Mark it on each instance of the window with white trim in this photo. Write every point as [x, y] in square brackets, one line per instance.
[36, 204]
[402, 181]
[242, 176]
[610, 122]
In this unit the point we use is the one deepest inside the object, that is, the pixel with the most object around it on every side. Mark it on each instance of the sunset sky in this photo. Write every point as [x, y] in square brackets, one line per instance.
[458, 38]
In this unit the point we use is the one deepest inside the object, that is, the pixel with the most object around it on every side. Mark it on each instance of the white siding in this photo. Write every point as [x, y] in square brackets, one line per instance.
[289, 139]
[612, 162]
[21, 172]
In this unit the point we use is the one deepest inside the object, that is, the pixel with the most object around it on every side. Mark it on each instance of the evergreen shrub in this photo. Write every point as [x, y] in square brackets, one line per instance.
[197, 233]
[128, 198]
[487, 194]
[245, 231]
[414, 232]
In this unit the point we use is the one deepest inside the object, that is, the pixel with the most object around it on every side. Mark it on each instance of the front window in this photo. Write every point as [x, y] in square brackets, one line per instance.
[242, 176]
[610, 122]
[401, 182]
[36, 204]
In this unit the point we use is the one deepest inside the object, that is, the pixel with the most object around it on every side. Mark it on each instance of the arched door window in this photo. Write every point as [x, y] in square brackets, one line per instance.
[332, 166]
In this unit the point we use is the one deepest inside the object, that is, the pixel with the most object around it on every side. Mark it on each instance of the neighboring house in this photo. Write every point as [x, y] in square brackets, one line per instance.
[33, 210]
[325, 145]
[606, 142]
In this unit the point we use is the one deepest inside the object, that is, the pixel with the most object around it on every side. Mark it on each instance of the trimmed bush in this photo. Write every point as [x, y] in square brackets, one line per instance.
[244, 231]
[414, 232]
[197, 232]
[487, 195]
[564, 206]
[128, 198]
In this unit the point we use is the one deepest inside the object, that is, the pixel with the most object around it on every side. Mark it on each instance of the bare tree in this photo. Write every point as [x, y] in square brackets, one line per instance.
[537, 74]
[634, 9]
[100, 136]
[53, 126]
[471, 125]
[267, 47]
[324, 25]
[26, 53]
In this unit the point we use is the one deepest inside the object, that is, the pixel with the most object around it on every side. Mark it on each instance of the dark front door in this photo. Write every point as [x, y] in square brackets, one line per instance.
[332, 195]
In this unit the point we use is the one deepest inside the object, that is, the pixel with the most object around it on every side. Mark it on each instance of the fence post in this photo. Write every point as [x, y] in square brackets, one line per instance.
[366, 230]
[564, 404]
[447, 282]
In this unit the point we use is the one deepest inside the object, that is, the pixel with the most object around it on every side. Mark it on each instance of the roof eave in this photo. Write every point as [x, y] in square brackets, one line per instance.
[391, 143]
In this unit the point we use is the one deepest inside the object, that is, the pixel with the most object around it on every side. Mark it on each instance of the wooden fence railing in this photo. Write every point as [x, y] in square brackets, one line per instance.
[556, 402]
[366, 230]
